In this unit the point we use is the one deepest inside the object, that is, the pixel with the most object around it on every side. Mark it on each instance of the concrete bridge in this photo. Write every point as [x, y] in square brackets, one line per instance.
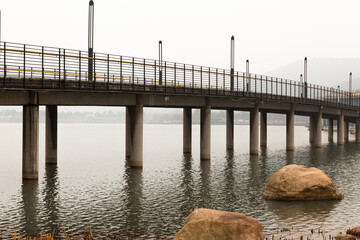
[34, 75]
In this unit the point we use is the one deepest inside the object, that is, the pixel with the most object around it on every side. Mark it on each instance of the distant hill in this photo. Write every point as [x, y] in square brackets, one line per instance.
[323, 71]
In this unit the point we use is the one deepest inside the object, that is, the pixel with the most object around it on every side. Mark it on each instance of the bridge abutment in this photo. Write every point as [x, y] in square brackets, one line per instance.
[346, 131]
[263, 129]
[290, 124]
[205, 133]
[127, 132]
[318, 129]
[51, 125]
[187, 125]
[229, 129]
[30, 164]
[136, 135]
[330, 130]
[340, 129]
[254, 130]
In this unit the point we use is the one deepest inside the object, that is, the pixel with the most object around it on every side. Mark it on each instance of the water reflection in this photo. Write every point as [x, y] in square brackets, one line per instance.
[30, 191]
[134, 200]
[205, 200]
[187, 186]
[50, 194]
[290, 156]
[229, 191]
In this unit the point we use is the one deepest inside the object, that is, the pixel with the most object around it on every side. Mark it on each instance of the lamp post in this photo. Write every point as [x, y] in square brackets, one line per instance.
[91, 40]
[305, 77]
[160, 62]
[232, 62]
[301, 85]
[350, 87]
[247, 76]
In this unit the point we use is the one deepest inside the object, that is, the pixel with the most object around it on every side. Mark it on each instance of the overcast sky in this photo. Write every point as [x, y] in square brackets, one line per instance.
[270, 33]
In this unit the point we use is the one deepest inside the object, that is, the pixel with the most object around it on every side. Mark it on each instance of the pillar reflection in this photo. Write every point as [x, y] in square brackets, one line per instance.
[30, 191]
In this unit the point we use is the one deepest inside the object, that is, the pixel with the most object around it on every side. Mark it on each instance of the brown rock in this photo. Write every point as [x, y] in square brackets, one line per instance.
[296, 182]
[208, 224]
[344, 237]
[354, 231]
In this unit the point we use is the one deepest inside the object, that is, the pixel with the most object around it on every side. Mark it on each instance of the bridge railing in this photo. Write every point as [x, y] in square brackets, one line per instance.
[38, 67]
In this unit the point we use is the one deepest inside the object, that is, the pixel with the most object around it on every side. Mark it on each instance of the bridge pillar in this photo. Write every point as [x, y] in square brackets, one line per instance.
[229, 129]
[311, 129]
[290, 125]
[357, 130]
[205, 133]
[187, 122]
[346, 130]
[136, 135]
[30, 164]
[263, 129]
[340, 129]
[254, 130]
[317, 129]
[127, 132]
[51, 134]
[330, 130]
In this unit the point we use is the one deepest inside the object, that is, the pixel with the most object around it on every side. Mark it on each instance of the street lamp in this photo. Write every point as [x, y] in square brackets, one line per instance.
[91, 40]
[247, 76]
[305, 77]
[232, 62]
[160, 62]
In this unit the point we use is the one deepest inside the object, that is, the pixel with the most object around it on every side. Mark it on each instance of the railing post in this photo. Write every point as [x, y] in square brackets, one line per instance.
[59, 68]
[165, 77]
[94, 71]
[175, 78]
[108, 72]
[144, 75]
[24, 66]
[42, 67]
[201, 80]
[64, 69]
[216, 81]
[4, 60]
[79, 69]
[224, 85]
[184, 79]
[209, 81]
[121, 75]
[192, 78]
[255, 85]
[133, 74]
[261, 86]
[237, 83]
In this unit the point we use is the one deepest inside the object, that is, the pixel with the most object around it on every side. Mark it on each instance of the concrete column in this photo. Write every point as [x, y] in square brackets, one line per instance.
[318, 129]
[311, 129]
[187, 123]
[357, 130]
[263, 129]
[205, 133]
[346, 130]
[330, 130]
[290, 125]
[229, 129]
[340, 130]
[51, 134]
[136, 136]
[127, 132]
[254, 130]
[30, 142]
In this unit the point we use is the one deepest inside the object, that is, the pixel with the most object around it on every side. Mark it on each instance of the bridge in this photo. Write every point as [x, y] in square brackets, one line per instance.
[36, 75]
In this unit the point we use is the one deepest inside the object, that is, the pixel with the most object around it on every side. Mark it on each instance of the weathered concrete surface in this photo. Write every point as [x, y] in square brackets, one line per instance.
[208, 224]
[357, 130]
[205, 133]
[229, 129]
[127, 133]
[318, 129]
[187, 125]
[263, 129]
[294, 182]
[340, 130]
[30, 158]
[311, 129]
[51, 127]
[254, 130]
[136, 136]
[290, 136]
[346, 130]
[330, 130]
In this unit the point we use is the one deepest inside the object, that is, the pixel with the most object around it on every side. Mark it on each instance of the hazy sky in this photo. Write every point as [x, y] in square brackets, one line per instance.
[270, 33]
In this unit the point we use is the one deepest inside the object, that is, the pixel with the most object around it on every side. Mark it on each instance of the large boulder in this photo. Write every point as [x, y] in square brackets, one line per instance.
[208, 224]
[296, 182]
[354, 231]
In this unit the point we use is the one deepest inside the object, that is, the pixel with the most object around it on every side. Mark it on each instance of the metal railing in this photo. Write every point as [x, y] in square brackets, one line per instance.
[38, 67]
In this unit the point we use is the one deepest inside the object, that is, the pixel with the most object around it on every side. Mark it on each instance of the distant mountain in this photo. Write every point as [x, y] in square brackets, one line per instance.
[323, 71]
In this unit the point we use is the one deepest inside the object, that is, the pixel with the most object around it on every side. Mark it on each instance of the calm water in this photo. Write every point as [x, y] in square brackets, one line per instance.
[92, 185]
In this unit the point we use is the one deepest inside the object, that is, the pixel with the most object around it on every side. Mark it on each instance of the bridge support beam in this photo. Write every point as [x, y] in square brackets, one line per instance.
[346, 130]
[136, 135]
[229, 129]
[340, 130]
[127, 132]
[330, 130]
[30, 164]
[311, 129]
[263, 129]
[254, 130]
[290, 125]
[51, 124]
[317, 129]
[357, 130]
[187, 122]
[205, 133]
